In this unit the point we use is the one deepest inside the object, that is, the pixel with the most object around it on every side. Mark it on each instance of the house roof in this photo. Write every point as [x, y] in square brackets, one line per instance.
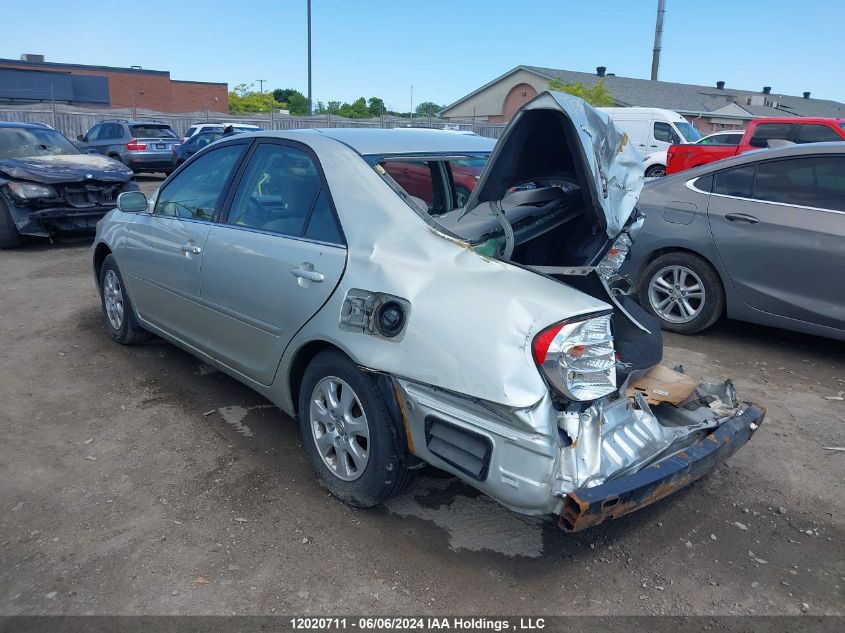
[685, 98]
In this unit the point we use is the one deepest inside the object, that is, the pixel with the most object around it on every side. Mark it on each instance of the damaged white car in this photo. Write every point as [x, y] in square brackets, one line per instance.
[427, 297]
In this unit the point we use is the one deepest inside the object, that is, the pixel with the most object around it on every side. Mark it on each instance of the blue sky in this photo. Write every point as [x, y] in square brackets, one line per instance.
[445, 49]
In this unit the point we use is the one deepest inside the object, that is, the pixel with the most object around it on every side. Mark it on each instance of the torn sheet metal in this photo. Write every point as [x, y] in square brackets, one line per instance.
[591, 506]
[615, 167]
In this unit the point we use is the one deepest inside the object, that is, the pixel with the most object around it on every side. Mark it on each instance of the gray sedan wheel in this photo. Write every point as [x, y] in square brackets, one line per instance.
[683, 291]
[676, 294]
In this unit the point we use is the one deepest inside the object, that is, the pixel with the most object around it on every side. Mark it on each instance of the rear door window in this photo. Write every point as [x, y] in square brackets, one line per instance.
[766, 132]
[277, 191]
[152, 131]
[738, 182]
[814, 133]
[817, 181]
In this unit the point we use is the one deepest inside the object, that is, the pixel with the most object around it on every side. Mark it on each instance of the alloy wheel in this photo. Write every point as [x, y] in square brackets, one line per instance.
[676, 294]
[339, 426]
[113, 299]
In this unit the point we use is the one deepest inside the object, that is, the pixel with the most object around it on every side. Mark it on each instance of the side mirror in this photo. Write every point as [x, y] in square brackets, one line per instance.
[132, 202]
[80, 137]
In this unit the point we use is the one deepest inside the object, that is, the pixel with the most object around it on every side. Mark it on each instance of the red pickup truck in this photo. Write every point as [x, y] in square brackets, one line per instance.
[760, 134]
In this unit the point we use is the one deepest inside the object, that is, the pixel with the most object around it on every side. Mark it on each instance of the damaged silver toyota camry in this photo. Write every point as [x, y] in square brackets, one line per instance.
[429, 297]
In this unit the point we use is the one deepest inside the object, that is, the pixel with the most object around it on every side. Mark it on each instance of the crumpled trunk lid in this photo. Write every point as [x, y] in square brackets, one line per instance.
[607, 163]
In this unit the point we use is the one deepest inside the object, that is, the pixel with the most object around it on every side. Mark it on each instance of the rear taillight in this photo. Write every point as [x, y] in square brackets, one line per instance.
[578, 358]
[135, 146]
[615, 257]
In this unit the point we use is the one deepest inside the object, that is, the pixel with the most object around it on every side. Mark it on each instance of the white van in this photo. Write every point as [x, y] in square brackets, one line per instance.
[652, 131]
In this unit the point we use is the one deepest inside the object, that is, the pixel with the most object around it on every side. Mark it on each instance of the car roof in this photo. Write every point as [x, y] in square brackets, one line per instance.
[798, 119]
[21, 124]
[404, 140]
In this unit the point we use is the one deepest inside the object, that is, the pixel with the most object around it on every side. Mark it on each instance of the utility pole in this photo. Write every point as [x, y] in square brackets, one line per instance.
[310, 108]
[53, 104]
[260, 84]
[411, 113]
[658, 38]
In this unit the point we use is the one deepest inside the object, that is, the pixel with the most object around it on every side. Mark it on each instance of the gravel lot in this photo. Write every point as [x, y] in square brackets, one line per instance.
[121, 493]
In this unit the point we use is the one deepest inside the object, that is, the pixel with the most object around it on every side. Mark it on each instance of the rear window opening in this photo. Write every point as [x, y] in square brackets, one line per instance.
[152, 131]
[536, 207]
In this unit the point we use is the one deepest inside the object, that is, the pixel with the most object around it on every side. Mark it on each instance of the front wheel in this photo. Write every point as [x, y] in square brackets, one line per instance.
[347, 432]
[683, 291]
[655, 171]
[117, 307]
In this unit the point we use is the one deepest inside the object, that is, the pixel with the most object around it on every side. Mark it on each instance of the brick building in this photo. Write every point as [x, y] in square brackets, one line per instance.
[708, 108]
[32, 79]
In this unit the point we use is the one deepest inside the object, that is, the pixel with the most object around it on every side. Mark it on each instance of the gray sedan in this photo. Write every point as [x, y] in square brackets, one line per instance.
[759, 238]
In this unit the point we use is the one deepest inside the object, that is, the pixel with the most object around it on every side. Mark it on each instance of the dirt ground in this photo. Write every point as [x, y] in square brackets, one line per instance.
[121, 493]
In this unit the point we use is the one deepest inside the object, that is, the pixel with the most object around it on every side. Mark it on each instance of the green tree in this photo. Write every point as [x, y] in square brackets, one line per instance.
[429, 108]
[296, 102]
[596, 95]
[243, 101]
[376, 106]
[355, 110]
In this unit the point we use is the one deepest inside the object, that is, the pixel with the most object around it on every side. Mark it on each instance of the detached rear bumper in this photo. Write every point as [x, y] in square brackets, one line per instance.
[588, 507]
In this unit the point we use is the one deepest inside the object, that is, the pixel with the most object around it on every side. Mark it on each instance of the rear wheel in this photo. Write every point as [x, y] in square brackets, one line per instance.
[347, 432]
[9, 236]
[461, 196]
[683, 291]
[117, 307]
[655, 171]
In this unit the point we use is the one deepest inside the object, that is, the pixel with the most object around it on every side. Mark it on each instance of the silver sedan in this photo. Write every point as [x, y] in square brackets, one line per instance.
[428, 297]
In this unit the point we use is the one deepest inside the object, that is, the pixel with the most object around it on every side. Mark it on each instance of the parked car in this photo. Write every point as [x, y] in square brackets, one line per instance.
[723, 137]
[48, 187]
[184, 150]
[479, 339]
[416, 177]
[143, 146]
[758, 238]
[726, 137]
[652, 131]
[760, 134]
[218, 127]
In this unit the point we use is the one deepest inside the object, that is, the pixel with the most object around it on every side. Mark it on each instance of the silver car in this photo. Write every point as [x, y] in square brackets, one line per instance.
[759, 237]
[334, 272]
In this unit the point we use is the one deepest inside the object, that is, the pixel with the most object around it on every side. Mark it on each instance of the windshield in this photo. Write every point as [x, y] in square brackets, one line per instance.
[687, 131]
[152, 131]
[19, 142]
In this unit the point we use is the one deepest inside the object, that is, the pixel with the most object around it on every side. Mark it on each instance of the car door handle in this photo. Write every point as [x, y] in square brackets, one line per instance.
[193, 249]
[310, 275]
[641, 145]
[741, 217]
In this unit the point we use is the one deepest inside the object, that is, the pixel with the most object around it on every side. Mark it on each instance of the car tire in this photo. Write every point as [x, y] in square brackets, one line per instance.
[9, 235]
[357, 460]
[655, 171]
[683, 291]
[117, 307]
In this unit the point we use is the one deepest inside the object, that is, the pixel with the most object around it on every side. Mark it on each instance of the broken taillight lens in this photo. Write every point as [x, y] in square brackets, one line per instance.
[578, 357]
[615, 257]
